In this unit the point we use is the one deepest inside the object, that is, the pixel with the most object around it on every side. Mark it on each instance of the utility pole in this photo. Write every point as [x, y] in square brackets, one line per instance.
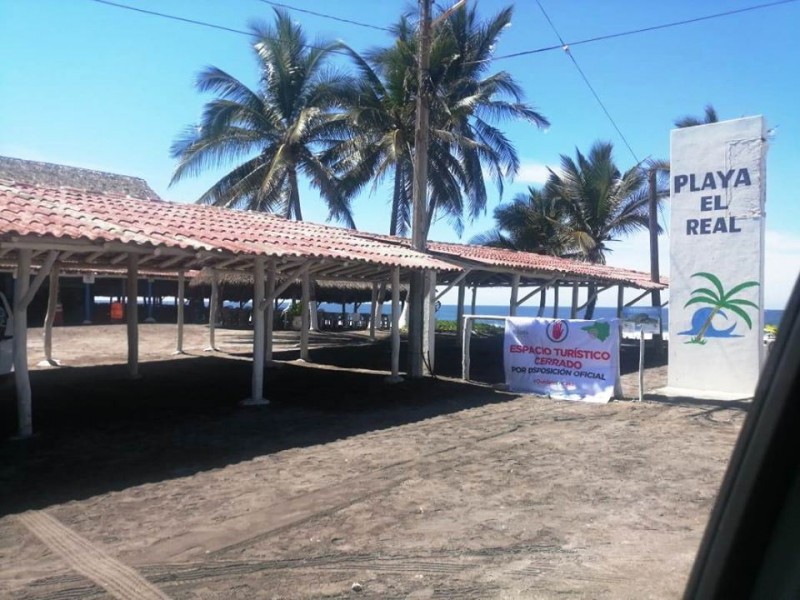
[417, 292]
[654, 270]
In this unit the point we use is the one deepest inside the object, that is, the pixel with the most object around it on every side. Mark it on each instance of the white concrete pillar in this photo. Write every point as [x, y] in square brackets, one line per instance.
[20, 345]
[373, 311]
[50, 317]
[212, 312]
[132, 315]
[179, 302]
[269, 316]
[462, 290]
[304, 316]
[513, 304]
[395, 376]
[259, 306]
[429, 324]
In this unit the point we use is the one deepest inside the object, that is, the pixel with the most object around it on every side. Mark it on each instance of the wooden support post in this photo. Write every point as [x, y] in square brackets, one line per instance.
[462, 289]
[395, 376]
[542, 301]
[133, 315]
[87, 303]
[179, 302]
[555, 300]
[512, 307]
[620, 300]
[212, 312]
[373, 313]
[259, 305]
[20, 345]
[50, 317]
[151, 302]
[574, 308]
[304, 317]
[269, 316]
[474, 297]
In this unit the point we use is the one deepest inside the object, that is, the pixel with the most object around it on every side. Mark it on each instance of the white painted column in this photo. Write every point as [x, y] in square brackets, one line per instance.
[179, 302]
[50, 317]
[462, 289]
[212, 312]
[304, 316]
[512, 307]
[269, 316]
[259, 306]
[430, 324]
[132, 314]
[373, 313]
[20, 345]
[313, 307]
[395, 376]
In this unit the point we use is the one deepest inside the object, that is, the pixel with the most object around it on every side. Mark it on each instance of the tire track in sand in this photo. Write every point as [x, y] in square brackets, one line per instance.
[80, 554]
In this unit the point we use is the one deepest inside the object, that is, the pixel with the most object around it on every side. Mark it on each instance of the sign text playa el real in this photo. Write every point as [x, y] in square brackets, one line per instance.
[717, 256]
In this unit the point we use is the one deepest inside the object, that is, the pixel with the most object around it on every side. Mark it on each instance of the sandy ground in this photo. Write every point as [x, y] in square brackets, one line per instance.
[163, 487]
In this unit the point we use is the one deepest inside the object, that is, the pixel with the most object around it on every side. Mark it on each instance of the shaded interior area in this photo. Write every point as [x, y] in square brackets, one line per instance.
[98, 430]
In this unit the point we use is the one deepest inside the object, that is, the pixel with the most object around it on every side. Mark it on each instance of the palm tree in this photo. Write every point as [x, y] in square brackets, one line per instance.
[599, 202]
[531, 222]
[465, 103]
[271, 133]
[720, 300]
[710, 116]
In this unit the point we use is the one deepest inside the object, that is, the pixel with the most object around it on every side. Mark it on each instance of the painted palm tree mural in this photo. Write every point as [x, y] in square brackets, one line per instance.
[716, 302]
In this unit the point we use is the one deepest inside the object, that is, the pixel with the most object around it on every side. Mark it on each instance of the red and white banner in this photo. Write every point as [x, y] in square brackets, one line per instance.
[565, 359]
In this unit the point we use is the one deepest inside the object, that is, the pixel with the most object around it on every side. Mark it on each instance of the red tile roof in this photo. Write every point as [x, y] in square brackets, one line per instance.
[59, 213]
[27, 210]
[541, 263]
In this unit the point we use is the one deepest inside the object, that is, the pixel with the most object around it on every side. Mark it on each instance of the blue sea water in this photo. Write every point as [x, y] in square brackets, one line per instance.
[447, 312]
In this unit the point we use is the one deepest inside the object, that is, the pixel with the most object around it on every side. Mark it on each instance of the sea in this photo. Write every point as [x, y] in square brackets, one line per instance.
[447, 312]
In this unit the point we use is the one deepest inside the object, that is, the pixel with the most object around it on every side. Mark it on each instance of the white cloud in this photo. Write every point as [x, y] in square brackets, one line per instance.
[532, 173]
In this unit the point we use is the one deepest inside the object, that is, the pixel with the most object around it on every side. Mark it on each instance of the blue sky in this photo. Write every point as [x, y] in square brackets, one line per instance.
[95, 86]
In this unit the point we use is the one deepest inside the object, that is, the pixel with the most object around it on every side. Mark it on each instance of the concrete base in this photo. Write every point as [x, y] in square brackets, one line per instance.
[86, 323]
[177, 352]
[210, 349]
[673, 392]
[273, 364]
[49, 363]
[254, 402]
[149, 320]
[393, 379]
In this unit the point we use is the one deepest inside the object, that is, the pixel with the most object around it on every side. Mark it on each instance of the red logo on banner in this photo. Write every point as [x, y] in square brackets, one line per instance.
[557, 331]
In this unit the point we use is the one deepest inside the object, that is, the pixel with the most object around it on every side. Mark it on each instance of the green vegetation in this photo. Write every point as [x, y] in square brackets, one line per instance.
[584, 205]
[477, 328]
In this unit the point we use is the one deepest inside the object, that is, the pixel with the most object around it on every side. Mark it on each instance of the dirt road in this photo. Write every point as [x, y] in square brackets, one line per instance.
[434, 489]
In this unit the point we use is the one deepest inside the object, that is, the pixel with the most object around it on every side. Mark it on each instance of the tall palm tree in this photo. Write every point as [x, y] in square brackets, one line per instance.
[531, 222]
[710, 116]
[271, 133]
[465, 102]
[599, 202]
